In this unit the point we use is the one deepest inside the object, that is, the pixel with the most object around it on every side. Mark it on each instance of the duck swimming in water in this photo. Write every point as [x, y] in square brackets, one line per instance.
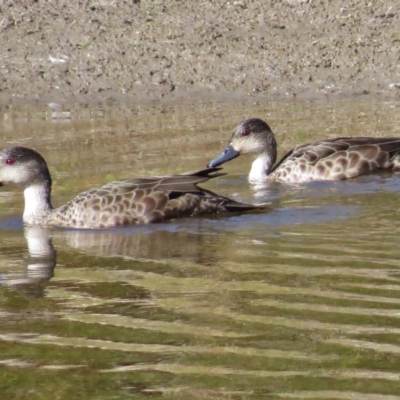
[330, 159]
[119, 203]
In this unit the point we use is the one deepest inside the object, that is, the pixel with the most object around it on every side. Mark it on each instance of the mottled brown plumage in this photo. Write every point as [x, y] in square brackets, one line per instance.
[330, 159]
[119, 203]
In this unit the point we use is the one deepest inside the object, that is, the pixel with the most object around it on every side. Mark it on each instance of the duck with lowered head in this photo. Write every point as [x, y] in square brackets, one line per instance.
[330, 159]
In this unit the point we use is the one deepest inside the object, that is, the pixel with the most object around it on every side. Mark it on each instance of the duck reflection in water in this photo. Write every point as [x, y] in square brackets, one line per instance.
[38, 267]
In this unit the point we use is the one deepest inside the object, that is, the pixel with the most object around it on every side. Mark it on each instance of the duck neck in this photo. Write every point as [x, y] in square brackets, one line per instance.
[37, 203]
[261, 167]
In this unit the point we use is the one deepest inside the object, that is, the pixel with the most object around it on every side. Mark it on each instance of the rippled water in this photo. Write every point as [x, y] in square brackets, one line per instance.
[302, 301]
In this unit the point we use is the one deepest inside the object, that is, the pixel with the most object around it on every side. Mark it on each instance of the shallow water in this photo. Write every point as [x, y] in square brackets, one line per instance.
[302, 301]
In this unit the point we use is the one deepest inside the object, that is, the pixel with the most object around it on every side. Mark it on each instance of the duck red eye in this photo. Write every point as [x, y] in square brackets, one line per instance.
[245, 133]
[10, 161]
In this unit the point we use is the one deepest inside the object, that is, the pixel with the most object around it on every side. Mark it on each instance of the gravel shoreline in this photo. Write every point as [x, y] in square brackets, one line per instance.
[97, 51]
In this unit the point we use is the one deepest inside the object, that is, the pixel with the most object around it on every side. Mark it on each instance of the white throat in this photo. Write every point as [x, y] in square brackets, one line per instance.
[37, 204]
[260, 168]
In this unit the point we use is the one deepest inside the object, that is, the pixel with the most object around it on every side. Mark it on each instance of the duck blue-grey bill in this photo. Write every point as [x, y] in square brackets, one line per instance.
[229, 154]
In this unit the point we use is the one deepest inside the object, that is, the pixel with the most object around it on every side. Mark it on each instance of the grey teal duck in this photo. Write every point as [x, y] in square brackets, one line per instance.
[126, 202]
[330, 159]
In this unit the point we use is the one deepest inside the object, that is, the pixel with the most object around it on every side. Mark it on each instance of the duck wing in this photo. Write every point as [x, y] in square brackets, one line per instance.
[369, 153]
[324, 148]
[146, 200]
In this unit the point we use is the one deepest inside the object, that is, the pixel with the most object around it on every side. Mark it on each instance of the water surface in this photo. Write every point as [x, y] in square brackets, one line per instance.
[302, 301]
